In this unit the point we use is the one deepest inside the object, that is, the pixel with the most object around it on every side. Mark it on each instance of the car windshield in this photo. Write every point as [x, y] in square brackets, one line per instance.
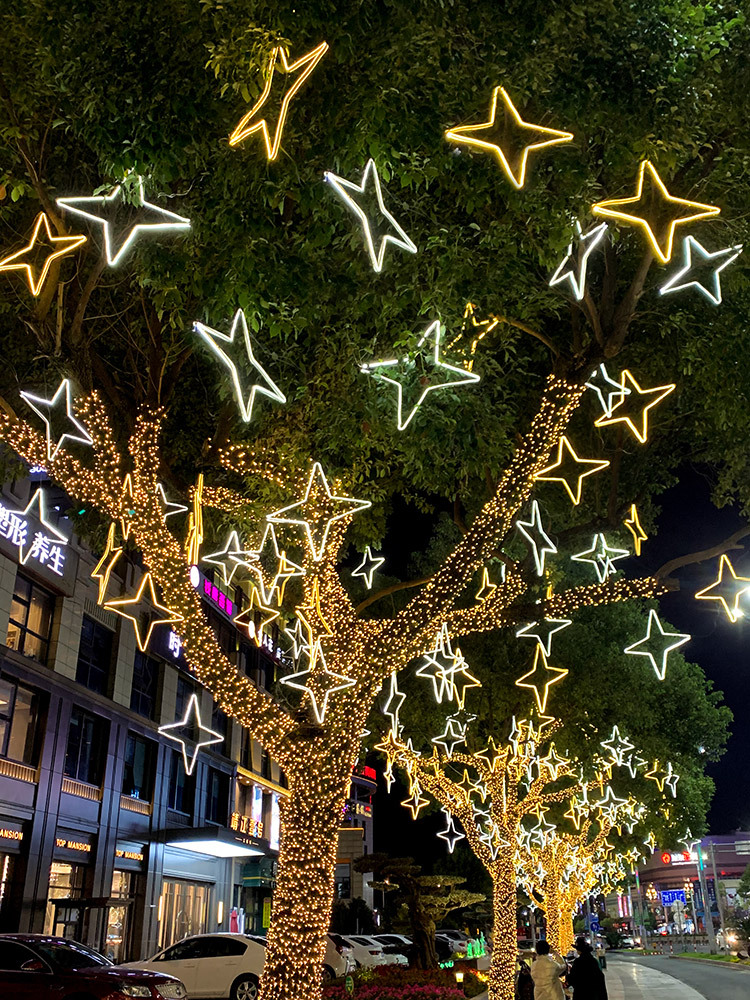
[70, 955]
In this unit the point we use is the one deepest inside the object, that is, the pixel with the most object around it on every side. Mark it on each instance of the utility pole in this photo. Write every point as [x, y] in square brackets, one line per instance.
[722, 924]
[707, 918]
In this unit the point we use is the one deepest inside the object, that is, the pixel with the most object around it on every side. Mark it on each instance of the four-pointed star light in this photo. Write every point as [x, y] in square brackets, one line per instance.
[184, 732]
[575, 263]
[729, 591]
[26, 259]
[367, 568]
[657, 644]
[540, 542]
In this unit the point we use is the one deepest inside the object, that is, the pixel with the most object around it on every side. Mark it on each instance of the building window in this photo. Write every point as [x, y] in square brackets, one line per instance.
[265, 764]
[94, 656]
[30, 619]
[138, 776]
[219, 721]
[217, 806]
[343, 881]
[246, 750]
[181, 795]
[19, 708]
[185, 690]
[185, 909]
[86, 749]
[145, 685]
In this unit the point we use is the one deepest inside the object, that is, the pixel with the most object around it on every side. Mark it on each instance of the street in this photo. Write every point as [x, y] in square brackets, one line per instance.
[636, 977]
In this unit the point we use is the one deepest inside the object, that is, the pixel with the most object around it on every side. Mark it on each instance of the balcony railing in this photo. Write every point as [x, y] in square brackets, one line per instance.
[81, 789]
[20, 772]
[135, 805]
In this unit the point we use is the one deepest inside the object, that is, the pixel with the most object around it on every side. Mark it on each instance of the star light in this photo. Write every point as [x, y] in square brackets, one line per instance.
[37, 507]
[103, 569]
[122, 607]
[540, 542]
[299, 638]
[321, 683]
[618, 746]
[619, 413]
[298, 71]
[168, 509]
[349, 191]
[168, 220]
[671, 779]
[633, 524]
[610, 805]
[567, 462]
[191, 721]
[602, 557]
[451, 835]
[696, 257]
[573, 268]
[504, 138]
[452, 374]
[368, 567]
[666, 211]
[16, 261]
[59, 420]
[657, 775]
[238, 351]
[440, 665]
[393, 705]
[541, 677]
[730, 590]
[230, 558]
[661, 642]
[415, 803]
[633, 763]
[320, 503]
[604, 386]
[246, 619]
[543, 631]
[311, 615]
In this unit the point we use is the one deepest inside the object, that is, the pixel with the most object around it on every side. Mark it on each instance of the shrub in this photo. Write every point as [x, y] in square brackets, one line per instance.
[389, 982]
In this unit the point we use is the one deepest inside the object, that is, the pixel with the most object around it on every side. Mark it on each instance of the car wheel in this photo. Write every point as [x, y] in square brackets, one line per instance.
[328, 974]
[244, 988]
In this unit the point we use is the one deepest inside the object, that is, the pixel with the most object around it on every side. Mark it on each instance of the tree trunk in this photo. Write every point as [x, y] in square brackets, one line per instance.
[553, 920]
[423, 933]
[303, 897]
[504, 936]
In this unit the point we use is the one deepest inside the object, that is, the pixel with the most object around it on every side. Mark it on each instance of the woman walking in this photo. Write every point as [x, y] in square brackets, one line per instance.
[586, 976]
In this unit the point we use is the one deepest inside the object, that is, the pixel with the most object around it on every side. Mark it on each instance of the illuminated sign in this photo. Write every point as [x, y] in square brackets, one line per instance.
[129, 855]
[6, 834]
[21, 528]
[175, 644]
[73, 845]
[680, 858]
[671, 896]
[218, 597]
[246, 824]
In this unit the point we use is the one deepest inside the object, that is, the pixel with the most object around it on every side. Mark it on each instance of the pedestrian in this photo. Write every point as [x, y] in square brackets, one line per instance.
[524, 982]
[586, 976]
[546, 972]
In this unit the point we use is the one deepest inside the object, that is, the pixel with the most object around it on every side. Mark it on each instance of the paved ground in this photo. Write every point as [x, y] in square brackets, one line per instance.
[657, 978]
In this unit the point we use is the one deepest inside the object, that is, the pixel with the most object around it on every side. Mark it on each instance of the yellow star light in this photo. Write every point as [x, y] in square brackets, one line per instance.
[415, 803]
[487, 588]
[312, 617]
[128, 501]
[511, 139]
[661, 212]
[103, 569]
[296, 74]
[246, 618]
[737, 588]
[624, 413]
[633, 525]
[567, 463]
[490, 755]
[540, 678]
[62, 244]
[657, 774]
[124, 606]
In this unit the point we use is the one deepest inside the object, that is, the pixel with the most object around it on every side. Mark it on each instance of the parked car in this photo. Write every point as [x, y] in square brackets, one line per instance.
[366, 951]
[627, 941]
[458, 939]
[38, 967]
[396, 944]
[338, 959]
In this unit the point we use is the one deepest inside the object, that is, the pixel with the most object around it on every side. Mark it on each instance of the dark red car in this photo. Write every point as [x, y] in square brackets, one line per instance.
[38, 967]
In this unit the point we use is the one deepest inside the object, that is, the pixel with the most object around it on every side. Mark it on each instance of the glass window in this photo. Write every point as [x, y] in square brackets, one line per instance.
[246, 750]
[181, 785]
[86, 749]
[65, 882]
[184, 912]
[19, 708]
[145, 685]
[344, 881]
[94, 656]
[217, 806]
[138, 776]
[30, 619]
[265, 764]
[219, 722]
[118, 924]
[14, 956]
[185, 690]
[71, 955]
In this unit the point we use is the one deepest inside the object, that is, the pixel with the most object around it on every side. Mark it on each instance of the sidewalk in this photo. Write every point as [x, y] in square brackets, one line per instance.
[629, 981]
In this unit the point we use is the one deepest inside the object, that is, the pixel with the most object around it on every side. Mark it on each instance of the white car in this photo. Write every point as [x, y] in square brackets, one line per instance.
[338, 959]
[367, 951]
[395, 944]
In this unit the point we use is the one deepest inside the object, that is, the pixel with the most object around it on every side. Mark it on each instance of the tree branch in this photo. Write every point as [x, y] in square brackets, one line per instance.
[531, 332]
[728, 545]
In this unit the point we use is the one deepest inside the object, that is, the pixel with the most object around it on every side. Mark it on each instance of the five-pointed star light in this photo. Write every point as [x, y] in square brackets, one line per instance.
[248, 618]
[543, 631]
[96, 208]
[396, 371]
[508, 137]
[168, 508]
[37, 507]
[25, 259]
[235, 352]
[541, 677]
[657, 644]
[609, 392]
[633, 524]
[728, 592]
[602, 556]
[655, 210]
[294, 75]
[571, 470]
[701, 270]
[394, 702]
[575, 264]
[618, 746]
[188, 724]
[317, 511]
[103, 569]
[59, 419]
[142, 610]
[540, 542]
[454, 734]
[631, 409]
[230, 558]
[451, 834]
[380, 224]
[368, 566]
[319, 682]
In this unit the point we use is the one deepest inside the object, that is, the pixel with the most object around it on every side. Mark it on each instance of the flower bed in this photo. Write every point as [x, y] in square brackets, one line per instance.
[393, 983]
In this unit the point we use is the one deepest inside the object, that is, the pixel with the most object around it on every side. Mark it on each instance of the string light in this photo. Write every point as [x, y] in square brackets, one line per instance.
[696, 257]
[190, 722]
[658, 638]
[17, 261]
[567, 462]
[734, 587]
[574, 265]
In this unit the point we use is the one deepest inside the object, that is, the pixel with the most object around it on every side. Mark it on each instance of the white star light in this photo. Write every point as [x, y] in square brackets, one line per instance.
[454, 734]
[51, 412]
[368, 566]
[298, 635]
[37, 507]
[228, 357]
[618, 746]
[601, 556]
[661, 638]
[169, 220]
[451, 835]
[370, 176]
[543, 631]
[168, 509]
[696, 256]
[540, 542]
[573, 267]
[230, 558]
[604, 386]
[393, 705]
[191, 719]
[440, 666]
[322, 684]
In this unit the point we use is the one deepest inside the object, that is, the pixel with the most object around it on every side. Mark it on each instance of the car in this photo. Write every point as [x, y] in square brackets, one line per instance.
[39, 966]
[338, 959]
[627, 941]
[457, 939]
[366, 951]
[396, 944]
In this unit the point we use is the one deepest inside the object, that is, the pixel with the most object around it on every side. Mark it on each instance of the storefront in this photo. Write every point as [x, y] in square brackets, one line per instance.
[11, 842]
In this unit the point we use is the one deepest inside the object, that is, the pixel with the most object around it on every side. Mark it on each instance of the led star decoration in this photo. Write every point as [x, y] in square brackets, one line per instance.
[234, 352]
[541, 543]
[368, 567]
[543, 631]
[633, 524]
[571, 470]
[35, 545]
[248, 618]
[451, 834]
[454, 735]
[168, 508]
[59, 419]
[129, 608]
[609, 392]
[295, 74]
[320, 682]
[601, 556]
[657, 644]
[452, 375]
[95, 207]
[440, 665]
[728, 592]
[356, 197]
[487, 587]
[655, 210]
[632, 402]
[299, 637]
[103, 569]
[618, 746]
[573, 268]
[25, 259]
[540, 678]
[509, 137]
[701, 270]
[230, 558]
[322, 509]
[189, 723]
[394, 702]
